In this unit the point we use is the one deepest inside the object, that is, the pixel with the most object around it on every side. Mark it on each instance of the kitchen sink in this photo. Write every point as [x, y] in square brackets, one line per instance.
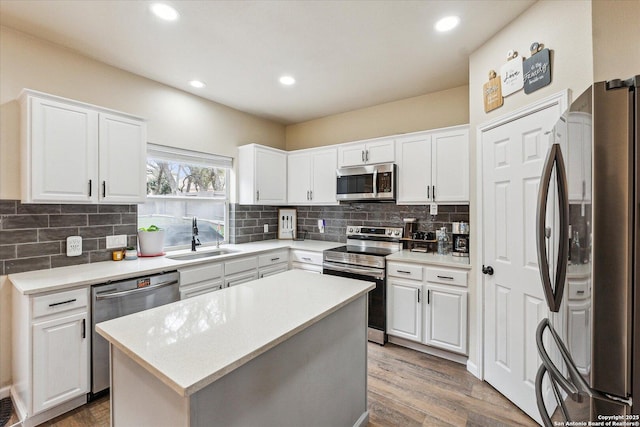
[199, 255]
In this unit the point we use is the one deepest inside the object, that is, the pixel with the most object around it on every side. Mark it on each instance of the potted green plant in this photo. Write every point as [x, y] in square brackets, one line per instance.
[151, 241]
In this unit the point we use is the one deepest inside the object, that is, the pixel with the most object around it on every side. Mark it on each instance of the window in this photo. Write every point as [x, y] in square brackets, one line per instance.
[181, 185]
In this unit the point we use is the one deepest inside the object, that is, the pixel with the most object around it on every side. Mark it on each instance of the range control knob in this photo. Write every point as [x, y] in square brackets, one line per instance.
[350, 229]
[389, 232]
[397, 232]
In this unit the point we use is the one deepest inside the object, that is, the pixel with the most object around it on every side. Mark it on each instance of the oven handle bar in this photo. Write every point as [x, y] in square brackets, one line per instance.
[372, 272]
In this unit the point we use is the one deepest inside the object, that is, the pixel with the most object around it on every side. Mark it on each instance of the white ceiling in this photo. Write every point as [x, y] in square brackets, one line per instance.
[345, 55]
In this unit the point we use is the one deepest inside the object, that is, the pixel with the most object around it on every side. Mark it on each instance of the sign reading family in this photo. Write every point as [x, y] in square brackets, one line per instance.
[537, 69]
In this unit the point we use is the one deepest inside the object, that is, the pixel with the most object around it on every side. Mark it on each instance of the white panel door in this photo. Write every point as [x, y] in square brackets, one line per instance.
[60, 360]
[123, 160]
[445, 318]
[404, 309]
[413, 155]
[450, 154]
[64, 153]
[299, 178]
[323, 189]
[513, 157]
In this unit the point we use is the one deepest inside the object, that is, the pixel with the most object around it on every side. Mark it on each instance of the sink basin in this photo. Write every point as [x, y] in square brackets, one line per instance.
[199, 255]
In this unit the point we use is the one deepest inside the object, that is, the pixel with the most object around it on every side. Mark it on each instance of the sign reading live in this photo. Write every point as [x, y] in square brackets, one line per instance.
[511, 75]
[537, 71]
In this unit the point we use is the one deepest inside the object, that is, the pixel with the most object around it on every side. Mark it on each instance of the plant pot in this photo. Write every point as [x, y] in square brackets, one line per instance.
[151, 242]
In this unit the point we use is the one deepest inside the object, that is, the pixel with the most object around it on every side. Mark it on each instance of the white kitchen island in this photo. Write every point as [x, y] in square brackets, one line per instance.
[285, 350]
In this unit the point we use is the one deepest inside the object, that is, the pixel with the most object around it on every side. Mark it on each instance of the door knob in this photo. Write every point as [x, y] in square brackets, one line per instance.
[487, 270]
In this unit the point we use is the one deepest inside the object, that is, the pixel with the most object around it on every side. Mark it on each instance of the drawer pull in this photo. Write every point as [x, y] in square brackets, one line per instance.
[428, 296]
[275, 259]
[580, 292]
[418, 295]
[84, 328]
[306, 258]
[403, 271]
[62, 302]
[445, 277]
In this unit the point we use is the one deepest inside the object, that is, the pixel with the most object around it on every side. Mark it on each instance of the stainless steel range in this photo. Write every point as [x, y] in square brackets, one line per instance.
[363, 258]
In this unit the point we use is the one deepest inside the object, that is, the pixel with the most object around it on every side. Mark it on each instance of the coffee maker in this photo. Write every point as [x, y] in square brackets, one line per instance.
[460, 232]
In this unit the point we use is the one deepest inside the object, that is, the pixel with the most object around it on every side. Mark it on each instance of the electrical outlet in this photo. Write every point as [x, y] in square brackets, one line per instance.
[74, 246]
[433, 209]
[266, 228]
[117, 241]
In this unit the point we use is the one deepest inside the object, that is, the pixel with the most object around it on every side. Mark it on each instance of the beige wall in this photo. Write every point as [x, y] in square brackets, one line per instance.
[430, 111]
[175, 118]
[616, 39]
[564, 27]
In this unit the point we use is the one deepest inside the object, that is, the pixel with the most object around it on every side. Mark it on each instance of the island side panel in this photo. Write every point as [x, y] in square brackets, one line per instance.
[140, 399]
[316, 378]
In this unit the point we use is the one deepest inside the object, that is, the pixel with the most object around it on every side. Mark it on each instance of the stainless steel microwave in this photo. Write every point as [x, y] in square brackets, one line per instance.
[367, 183]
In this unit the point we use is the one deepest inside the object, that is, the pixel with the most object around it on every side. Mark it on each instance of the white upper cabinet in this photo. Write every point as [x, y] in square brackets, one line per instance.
[433, 167]
[312, 177]
[366, 152]
[262, 175]
[122, 160]
[77, 153]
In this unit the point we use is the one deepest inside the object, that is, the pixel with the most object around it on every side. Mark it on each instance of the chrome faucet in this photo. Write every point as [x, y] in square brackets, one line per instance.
[194, 234]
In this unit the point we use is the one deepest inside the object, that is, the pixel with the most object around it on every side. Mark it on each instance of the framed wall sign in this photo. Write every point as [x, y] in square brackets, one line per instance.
[537, 69]
[287, 223]
[511, 74]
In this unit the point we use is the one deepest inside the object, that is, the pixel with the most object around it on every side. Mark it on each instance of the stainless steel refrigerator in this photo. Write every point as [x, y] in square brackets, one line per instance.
[588, 237]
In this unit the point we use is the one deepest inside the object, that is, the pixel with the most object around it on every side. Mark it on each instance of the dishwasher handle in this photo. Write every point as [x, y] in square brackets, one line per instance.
[116, 294]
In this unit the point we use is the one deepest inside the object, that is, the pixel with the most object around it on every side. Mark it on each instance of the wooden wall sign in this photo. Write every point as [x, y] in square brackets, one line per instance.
[492, 93]
[537, 69]
[511, 74]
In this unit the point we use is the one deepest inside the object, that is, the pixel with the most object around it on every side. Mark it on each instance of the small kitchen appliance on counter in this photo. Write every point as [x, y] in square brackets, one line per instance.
[460, 232]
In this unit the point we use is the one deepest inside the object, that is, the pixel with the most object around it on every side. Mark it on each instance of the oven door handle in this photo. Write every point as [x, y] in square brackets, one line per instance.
[372, 272]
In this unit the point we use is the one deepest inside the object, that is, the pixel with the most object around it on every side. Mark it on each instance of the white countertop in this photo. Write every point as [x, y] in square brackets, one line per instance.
[430, 258]
[191, 343]
[56, 279]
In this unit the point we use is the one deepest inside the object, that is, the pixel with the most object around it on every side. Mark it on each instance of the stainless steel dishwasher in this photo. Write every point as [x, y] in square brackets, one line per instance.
[116, 299]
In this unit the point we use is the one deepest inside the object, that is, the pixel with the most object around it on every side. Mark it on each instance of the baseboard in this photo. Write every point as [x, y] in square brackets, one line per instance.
[5, 392]
[473, 369]
[454, 357]
[363, 420]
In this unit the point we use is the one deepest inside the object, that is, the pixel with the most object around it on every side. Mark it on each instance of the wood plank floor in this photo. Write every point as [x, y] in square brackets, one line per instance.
[406, 388]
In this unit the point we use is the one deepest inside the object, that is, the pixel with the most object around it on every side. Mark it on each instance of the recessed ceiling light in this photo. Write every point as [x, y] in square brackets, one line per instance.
[287, 80]
[164, 11]
[447, 23]
[197, 83]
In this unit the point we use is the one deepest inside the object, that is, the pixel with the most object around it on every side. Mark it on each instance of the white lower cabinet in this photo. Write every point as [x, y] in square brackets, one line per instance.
[50, 344]
[445, 318]
[404, 309]
[428, 305]
[306, 260]
[200, 279]
[60, 360]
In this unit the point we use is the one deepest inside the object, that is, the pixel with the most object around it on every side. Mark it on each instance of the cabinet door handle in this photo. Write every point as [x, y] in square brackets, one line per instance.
[428, 296]
[434, 192]
[428, 191]
[307, 194]
[90, 188]
[362, 156]
[367, 156]
[418, 295]
[104, 189]
[310, 194]
[84, 328]
[257, 195]
[445, 277]
[62, 302]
